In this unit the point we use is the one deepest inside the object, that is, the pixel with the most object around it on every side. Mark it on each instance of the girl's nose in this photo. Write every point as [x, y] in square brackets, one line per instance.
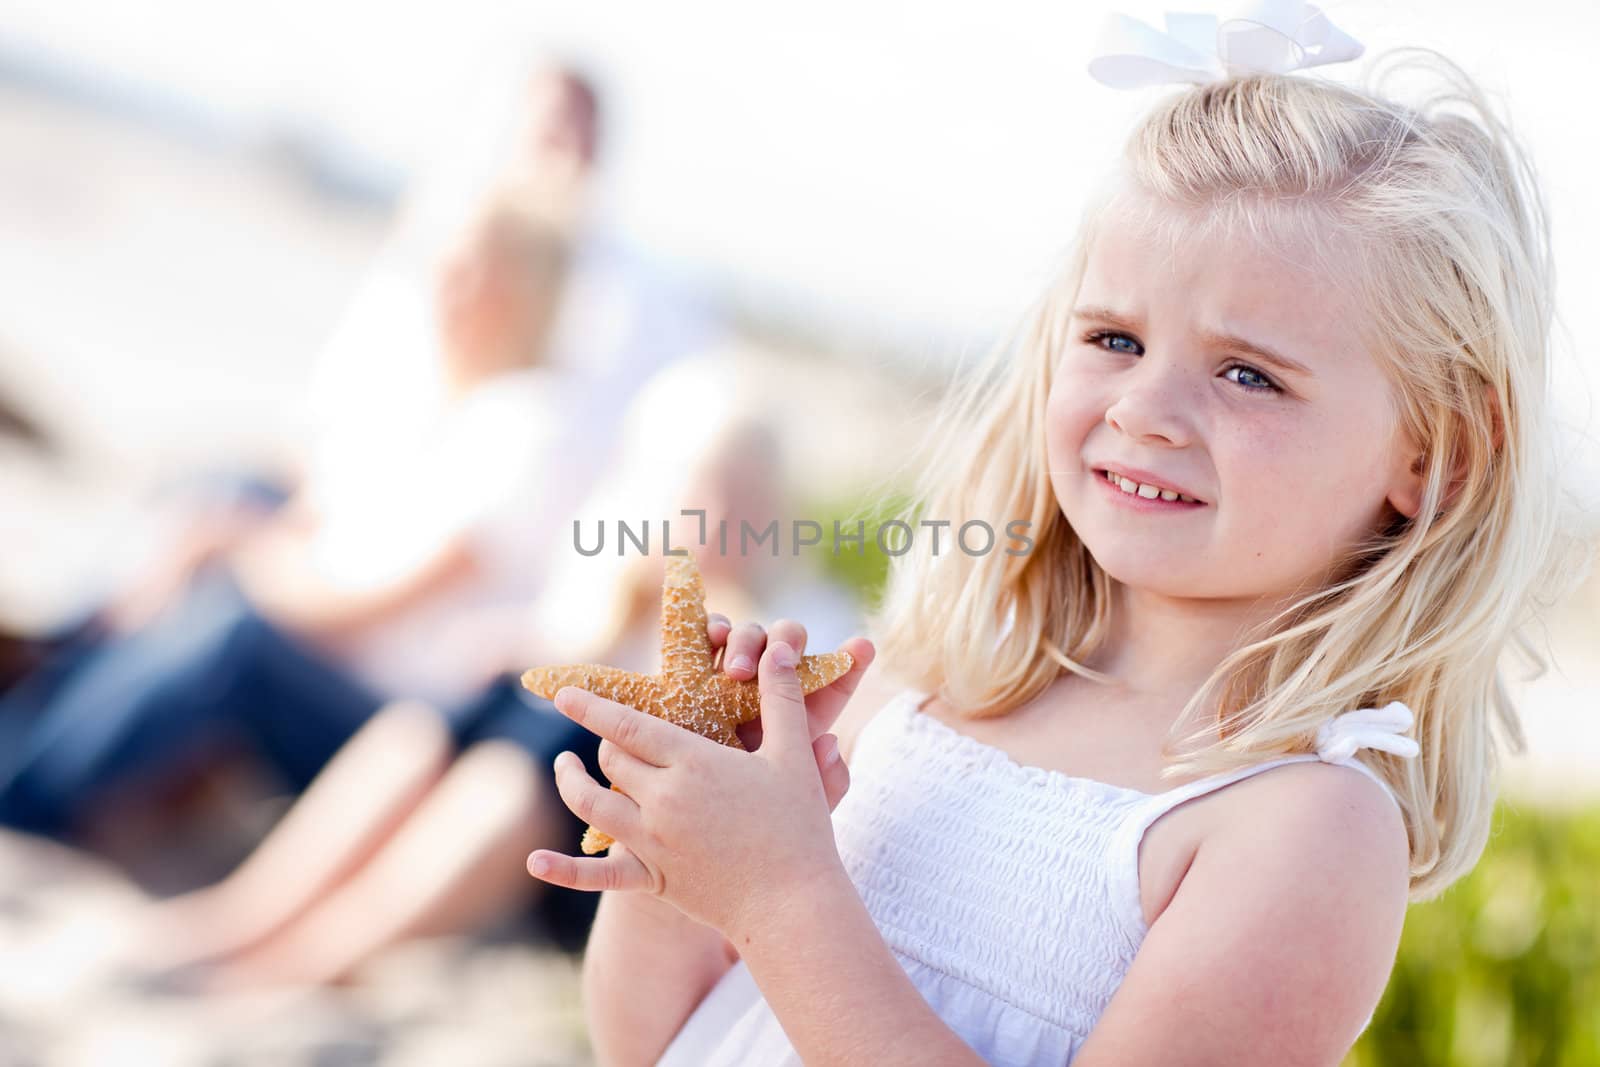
[1153, 402]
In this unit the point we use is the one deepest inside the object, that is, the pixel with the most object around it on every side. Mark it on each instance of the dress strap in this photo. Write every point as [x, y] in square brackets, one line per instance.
[1338, 740]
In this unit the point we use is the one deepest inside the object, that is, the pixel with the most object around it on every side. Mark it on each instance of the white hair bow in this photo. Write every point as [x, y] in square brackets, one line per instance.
[1264, 36]
[1381, 728]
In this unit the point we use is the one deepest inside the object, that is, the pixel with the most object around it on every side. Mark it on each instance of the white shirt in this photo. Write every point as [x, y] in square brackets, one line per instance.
[501, 466]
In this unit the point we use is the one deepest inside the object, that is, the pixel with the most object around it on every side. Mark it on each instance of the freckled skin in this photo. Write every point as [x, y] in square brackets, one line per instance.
[1289, 477]
[689, 692]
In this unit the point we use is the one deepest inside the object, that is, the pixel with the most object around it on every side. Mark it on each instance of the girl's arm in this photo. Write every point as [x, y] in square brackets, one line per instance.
[823, 966]
[839, 993]
[1276, 947]
[646, 968]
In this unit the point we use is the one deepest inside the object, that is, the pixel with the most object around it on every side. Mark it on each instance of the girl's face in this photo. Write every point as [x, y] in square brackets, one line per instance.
[1289, 464]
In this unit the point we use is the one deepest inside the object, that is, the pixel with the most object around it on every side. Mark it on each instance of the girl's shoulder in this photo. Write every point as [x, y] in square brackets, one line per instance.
[1282, 930]
[1296, 822]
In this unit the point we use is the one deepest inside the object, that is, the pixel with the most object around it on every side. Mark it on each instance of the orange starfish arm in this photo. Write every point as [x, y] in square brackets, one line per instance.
[625, 687]
[686, 655]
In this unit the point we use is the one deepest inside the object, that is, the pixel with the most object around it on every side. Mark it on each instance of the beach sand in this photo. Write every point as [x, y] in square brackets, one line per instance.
[504, 998]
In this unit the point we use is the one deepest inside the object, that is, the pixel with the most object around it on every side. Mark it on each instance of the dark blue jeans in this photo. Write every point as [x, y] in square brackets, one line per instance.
[108, 713]
[209, 670]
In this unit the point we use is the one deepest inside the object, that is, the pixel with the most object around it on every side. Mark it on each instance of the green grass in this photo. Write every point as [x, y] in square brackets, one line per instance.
[1504, 967]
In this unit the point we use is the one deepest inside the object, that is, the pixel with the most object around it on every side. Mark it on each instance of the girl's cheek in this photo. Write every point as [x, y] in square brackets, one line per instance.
[1061, 406]
[1278, 483]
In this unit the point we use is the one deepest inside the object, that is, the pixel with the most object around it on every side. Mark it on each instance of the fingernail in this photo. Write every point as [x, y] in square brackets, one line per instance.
[539, 865]
[784, 656]
[741, 663]
[832, 752]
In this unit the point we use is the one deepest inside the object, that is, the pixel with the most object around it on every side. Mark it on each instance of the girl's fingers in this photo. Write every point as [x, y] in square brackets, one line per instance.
[607, 810]
[785, 726]
[748, 640]
[646, 737]
[745, 644]
[620, 869]
[624, 770]
[790, 633]
[835, 775]
[717, 627]
[823, 706]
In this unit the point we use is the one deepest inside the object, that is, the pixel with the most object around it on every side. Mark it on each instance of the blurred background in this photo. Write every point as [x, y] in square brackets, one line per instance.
[274, 277]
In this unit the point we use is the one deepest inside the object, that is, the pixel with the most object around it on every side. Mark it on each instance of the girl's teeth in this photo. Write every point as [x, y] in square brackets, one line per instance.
[1149, 492]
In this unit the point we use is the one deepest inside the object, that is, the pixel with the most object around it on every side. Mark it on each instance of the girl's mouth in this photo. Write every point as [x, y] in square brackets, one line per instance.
[1140, 502]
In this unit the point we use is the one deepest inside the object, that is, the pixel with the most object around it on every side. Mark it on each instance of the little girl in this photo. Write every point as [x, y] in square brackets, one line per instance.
[1158, 789]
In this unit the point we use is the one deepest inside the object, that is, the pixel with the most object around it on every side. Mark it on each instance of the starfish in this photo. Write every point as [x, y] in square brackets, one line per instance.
[690, 691]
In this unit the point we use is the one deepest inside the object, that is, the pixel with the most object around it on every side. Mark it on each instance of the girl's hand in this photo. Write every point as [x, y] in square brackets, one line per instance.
[718, 833]
[742, 646]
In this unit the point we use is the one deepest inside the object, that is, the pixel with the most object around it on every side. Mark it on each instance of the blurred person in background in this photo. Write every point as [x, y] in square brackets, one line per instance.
[422, 823]
[387, 343]
[620, 320]
[366, 585]
[543, 153]
[623, 318]
[611, 329]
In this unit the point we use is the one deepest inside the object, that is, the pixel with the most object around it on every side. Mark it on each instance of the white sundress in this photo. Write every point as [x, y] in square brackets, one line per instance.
[1014, 907]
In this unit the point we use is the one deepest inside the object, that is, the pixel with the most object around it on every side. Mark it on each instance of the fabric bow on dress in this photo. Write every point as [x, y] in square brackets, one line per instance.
[1263, 36]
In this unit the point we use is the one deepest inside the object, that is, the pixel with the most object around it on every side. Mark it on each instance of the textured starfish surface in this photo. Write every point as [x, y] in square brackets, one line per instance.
[690, 691]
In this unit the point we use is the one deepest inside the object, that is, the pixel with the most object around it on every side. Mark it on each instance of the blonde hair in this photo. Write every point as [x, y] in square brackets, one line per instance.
[537, 249]
[1456, 274]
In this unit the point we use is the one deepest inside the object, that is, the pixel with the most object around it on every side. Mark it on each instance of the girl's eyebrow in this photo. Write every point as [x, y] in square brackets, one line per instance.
[1219, 340]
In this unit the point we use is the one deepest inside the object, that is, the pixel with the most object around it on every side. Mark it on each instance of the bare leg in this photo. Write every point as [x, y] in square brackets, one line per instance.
[458, 863]
[359, 800]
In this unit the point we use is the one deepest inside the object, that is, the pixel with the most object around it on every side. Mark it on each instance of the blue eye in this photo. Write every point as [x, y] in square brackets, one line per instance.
[1266, 386]
[1099, 335]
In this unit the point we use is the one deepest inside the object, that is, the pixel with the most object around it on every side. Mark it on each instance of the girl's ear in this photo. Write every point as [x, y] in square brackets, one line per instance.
[1406, 494]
